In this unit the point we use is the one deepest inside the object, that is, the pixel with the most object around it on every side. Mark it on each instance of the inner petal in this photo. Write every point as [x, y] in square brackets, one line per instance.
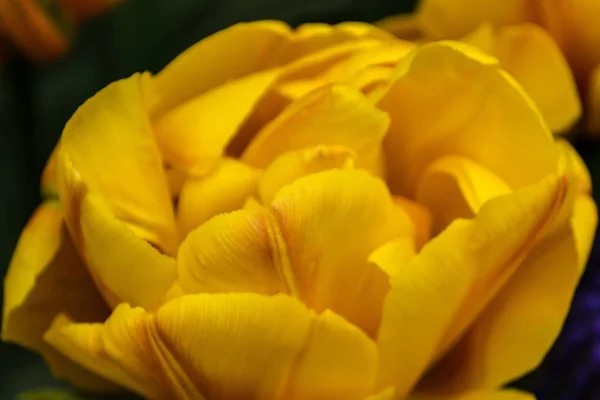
[313, 241]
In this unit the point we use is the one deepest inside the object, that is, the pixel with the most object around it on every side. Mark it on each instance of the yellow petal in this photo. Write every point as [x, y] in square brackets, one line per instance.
[392, 256]
[421, 218]
[516, 330]
[175, 178]
[569, 158]
[331, 115]
[380, 54]
[125, 267]
[252, 203]
[584, 222]
[47, 277]
[304, 69]
[295, 164]
[479, 112]
[110, 146]
[370, 79]
[456, 187]
[508, 394]
[302, 244]
[49, 183]
[404, 26]
[330, 223]
[224, 189]
[383, 54]
[386, 394]
[318, 63]
[225, 346]
[312, 37]
[240, 50]
[232, 252]
[194, 135]
[350, 376]
[450, 19]
[227, 55]
[593, 103]
[456, 275]
[93, 347]
[484, 37]
[532, 57]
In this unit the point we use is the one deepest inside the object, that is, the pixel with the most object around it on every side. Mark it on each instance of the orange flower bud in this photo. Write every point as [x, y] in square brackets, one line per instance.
[42, 30]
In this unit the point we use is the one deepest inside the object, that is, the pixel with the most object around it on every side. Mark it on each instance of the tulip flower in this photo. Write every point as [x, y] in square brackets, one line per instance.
[320, 212]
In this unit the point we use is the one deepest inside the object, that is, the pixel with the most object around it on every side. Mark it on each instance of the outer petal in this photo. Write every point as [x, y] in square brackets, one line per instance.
[112, 350]
[227, 55]
[331, 115]
[194, 135]
[225, 188]
[313, 242]
[49, 183]
[530, 55]
[451, 280]
[47, 277]
[584, 223]
[110, 146]
[450, 19]
[456, 187]
[225, 346]
[125, 267]
[480, 113]
[570, 159]
[519, 326]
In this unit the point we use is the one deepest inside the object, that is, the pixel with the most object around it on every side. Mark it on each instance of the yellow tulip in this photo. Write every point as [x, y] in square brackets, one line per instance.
[325, 212]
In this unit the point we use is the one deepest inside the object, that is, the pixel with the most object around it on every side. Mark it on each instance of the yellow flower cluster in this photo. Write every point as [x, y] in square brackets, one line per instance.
[326, 212]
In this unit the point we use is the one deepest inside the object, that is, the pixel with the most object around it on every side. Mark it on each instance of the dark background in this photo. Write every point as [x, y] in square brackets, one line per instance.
[37, 100]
